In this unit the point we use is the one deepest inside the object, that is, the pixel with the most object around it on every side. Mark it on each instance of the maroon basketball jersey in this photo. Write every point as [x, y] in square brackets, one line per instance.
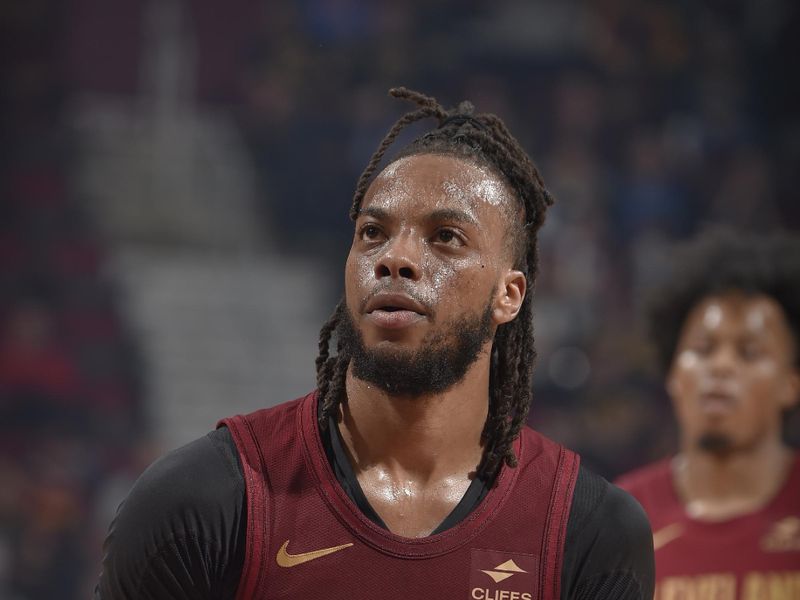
[752, 557]
[307, 539]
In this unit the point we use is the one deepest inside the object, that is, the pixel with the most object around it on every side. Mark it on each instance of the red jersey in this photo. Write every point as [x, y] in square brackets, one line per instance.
[751, 557]
[307, 539]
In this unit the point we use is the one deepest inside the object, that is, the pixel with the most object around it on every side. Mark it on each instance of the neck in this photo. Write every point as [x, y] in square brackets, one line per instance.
[717, 487]
[426, 437]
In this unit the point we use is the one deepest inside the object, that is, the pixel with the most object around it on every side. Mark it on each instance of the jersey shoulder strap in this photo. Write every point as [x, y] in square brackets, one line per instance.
[278, 427]
[563, 465]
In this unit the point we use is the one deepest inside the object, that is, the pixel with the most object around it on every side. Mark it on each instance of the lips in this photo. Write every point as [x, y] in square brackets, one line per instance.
[391, 302]
[717, 401]
[394, 311]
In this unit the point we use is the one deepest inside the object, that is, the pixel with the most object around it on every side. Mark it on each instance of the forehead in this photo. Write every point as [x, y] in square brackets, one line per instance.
[736, 313]
[423, 182]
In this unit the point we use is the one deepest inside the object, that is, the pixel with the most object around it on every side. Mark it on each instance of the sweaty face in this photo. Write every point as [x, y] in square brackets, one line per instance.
[441, 361]
[426, 273]
[733, 373]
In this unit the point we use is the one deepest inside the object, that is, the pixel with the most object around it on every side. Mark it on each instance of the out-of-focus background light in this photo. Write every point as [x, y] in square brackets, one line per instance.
[174, 184]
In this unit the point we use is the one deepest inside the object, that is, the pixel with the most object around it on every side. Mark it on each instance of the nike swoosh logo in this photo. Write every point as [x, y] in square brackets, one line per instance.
[284, 559]
[665, 535]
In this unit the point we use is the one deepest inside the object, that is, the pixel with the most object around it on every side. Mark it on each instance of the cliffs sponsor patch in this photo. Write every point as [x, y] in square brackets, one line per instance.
[497, 575]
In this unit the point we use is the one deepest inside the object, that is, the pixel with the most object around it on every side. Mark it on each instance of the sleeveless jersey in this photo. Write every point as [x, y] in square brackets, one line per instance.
[751, 557]
[307, 539]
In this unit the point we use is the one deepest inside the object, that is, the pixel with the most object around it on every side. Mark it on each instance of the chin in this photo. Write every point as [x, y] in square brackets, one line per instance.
[390, 349]
[391, 344]
[716, 442]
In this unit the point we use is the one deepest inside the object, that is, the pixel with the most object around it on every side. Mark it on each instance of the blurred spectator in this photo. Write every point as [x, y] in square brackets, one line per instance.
[31, 359]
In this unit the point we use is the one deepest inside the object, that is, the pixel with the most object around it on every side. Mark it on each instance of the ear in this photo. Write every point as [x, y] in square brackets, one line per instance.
[510, 294]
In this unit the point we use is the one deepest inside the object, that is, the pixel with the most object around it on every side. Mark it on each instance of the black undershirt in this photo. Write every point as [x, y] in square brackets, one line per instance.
[180, 533]
[337, 457]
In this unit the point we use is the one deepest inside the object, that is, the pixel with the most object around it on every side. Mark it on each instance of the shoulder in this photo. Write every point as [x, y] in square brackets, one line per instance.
[198, 476]
[276, 425]
[609, 542]
[606, 511]
[187, 508]
[537, 447]
[788, 497]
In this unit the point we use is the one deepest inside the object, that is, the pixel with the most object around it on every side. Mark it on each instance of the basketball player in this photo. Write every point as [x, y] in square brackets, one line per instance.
[726, 510]
[409, 472]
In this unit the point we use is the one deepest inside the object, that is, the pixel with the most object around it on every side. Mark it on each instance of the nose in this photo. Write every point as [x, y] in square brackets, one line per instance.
[723, 359]
[400, 259]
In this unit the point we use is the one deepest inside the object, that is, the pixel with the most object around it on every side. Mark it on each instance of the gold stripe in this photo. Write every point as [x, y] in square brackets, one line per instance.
[665, 535]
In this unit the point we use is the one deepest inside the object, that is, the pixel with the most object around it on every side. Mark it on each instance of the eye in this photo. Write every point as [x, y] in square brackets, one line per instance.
[750, 352]
[370, 232]
[449, 237]
[703, 347]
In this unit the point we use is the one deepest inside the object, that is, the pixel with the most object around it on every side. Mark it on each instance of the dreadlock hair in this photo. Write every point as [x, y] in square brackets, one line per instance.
[484, 139]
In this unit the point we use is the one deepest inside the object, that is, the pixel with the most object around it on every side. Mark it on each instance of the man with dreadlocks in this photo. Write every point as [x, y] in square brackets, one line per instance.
[409, 472]
[726, 509]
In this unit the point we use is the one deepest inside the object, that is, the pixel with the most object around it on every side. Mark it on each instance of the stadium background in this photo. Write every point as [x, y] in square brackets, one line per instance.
[175, 178]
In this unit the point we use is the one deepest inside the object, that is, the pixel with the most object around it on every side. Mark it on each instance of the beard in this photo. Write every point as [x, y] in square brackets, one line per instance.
[715, 443]
[441, 361]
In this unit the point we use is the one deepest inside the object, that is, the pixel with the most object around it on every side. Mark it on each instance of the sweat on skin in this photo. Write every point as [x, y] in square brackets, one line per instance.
[432, 229]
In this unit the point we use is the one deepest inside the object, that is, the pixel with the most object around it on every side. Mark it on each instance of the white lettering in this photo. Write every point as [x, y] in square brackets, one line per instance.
[487, 594]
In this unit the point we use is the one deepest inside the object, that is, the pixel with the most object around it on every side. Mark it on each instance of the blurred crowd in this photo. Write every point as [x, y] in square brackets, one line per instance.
[647, 120]
[70, 397]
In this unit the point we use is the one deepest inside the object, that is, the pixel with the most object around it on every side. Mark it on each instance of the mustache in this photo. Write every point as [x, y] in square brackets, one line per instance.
[392, 288]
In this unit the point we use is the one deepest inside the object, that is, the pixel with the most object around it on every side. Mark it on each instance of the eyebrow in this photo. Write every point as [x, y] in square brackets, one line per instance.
[449, 214]
[376, 213]
[443, 214]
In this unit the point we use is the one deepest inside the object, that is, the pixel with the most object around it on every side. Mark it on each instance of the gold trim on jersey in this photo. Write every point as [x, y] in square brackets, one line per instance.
[284, 559]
